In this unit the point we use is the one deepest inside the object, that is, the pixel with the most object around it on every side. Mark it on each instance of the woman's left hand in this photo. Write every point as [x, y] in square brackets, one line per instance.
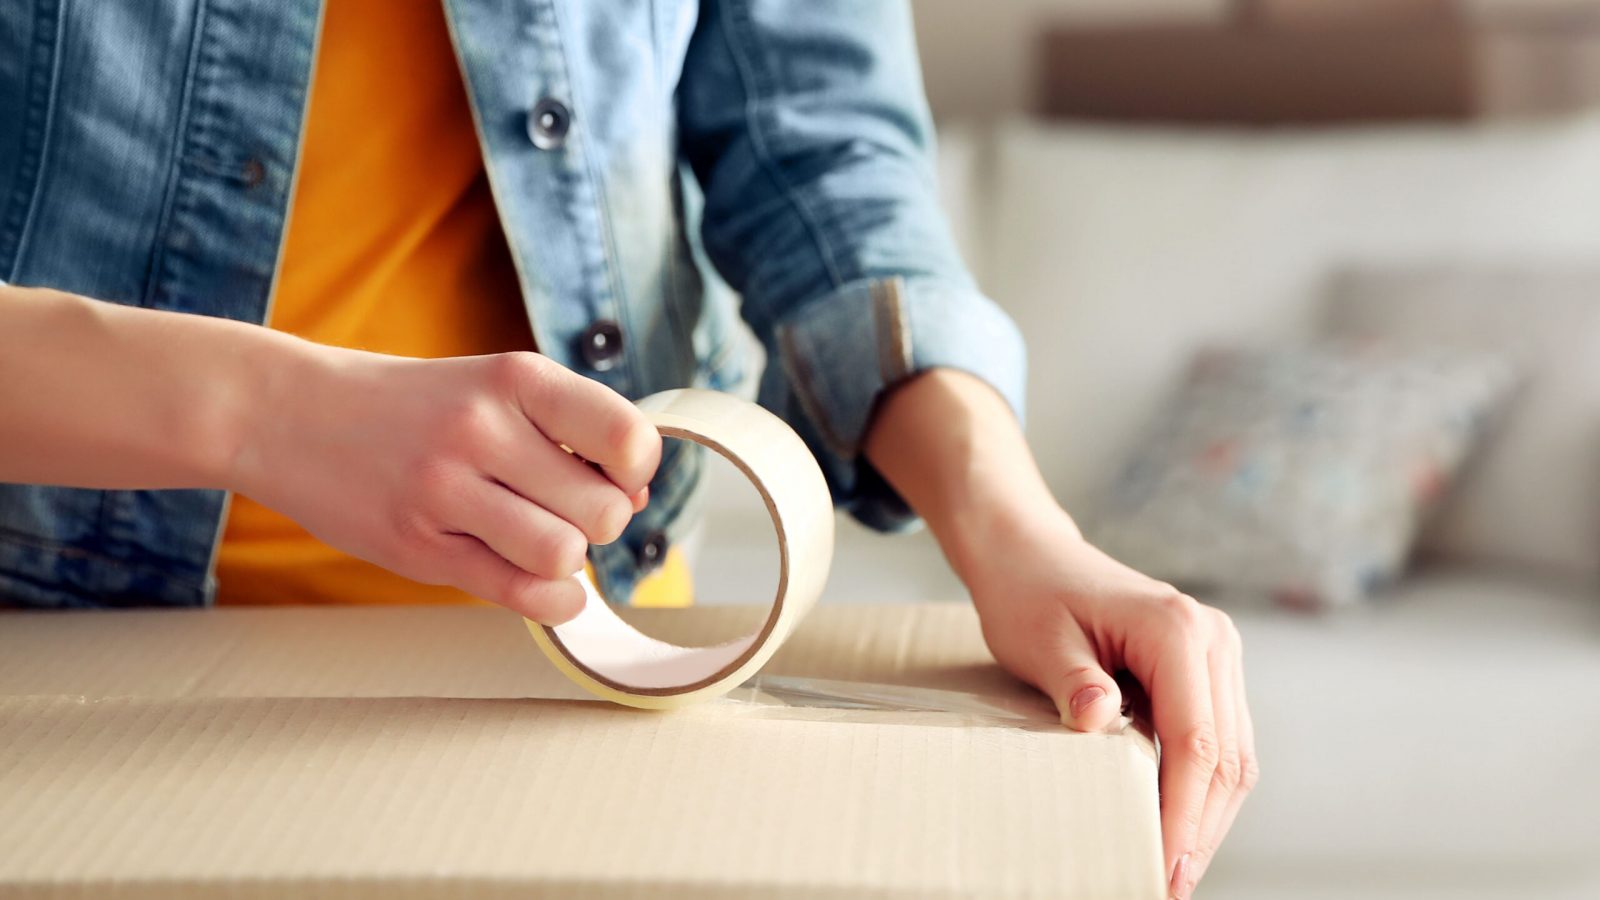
[1062, 615]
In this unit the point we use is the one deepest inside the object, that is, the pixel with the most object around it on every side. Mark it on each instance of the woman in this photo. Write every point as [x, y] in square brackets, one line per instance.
[469, 232]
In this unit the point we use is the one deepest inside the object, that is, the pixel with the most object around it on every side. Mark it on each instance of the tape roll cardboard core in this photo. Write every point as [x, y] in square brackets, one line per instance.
[617, 662]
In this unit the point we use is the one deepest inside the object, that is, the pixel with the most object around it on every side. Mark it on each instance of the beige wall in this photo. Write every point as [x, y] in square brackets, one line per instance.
[977, 55]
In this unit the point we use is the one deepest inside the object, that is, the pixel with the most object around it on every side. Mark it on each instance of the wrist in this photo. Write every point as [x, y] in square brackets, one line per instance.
[264, 378]
[953, 449]
[981, 540]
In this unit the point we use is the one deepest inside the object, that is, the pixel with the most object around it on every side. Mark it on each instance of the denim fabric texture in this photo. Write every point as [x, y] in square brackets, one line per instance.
[147, 157]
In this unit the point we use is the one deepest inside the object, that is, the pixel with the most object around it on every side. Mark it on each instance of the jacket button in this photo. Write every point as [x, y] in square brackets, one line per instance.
[253, 172]
[652, 552]
[601, 344]
[548, 123]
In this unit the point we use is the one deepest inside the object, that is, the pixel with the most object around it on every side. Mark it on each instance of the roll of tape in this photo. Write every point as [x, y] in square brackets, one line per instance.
[615, 661]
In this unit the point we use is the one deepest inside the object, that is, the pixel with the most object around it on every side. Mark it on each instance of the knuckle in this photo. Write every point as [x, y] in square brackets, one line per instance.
[610, 518]
[422, 552]
[635, 441]
[537, 597]
[434, 484]
[520, 589]
[414, 533]
[1200, 746]
[1249, 774]
[1084, 673]
[564, 553]
[510, 371]
[1226, 627]
[466, 424]
[410, 525]
[1180, 609]
[1228, 773]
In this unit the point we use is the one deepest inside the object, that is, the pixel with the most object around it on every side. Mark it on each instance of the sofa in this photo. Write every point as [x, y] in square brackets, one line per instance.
[1441, 739]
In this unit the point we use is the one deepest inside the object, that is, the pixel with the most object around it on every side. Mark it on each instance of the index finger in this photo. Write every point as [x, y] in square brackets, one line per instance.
[1180, 699]
[594, 422]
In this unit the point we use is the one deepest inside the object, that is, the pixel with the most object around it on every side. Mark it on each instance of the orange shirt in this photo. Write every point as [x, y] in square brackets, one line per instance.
[393, 246]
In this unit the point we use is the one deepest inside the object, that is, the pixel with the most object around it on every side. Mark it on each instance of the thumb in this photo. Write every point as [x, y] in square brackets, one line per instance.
[1088, 697]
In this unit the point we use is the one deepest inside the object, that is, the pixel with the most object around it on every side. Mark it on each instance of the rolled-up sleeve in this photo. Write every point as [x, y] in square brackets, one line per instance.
[804, 122]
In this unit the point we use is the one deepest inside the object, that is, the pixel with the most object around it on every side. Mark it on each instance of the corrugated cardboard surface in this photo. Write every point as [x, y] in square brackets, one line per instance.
[358, 752]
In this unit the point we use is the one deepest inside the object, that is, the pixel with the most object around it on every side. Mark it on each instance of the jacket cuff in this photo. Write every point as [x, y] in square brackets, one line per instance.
[840, 352]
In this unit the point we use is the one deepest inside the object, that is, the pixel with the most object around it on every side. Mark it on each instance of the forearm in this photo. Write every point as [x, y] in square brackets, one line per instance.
[94, 394]
[952, 448]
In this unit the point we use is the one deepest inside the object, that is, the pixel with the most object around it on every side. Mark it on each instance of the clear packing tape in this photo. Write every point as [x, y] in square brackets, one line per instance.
[783, 696]
[614, 661]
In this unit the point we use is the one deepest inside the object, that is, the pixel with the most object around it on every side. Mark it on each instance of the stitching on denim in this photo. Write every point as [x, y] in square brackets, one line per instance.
[40, 593]
[70, 551]
[800, 375]
[674, 243]
[187, 132]
[575, 184]
[673, 248]
[893, 332]
[55, 596]
[748, 83]
[796, 366]
[730, 349]
[527, 286]
[597, 207]
[38, 122]
[657, 42]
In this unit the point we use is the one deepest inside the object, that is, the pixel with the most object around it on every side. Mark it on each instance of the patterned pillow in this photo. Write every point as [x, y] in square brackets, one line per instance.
[1299, 475]
[1533, 496]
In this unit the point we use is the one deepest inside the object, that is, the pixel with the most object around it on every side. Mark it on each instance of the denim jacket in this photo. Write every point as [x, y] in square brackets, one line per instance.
[147, 156]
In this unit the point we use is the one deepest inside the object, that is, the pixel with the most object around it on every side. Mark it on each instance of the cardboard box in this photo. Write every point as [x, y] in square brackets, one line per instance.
[414, 751]
[1359, 13]
[1337, 75]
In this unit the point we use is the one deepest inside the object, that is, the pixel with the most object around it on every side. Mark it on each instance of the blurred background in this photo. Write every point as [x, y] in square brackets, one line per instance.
[1312, 292]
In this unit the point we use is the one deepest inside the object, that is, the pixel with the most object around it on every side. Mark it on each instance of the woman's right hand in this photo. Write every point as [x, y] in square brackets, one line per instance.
[451, 471]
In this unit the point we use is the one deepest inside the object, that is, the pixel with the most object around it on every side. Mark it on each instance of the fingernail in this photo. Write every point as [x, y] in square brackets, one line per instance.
[1180, 884]
[1179, 887]
[1084, 698]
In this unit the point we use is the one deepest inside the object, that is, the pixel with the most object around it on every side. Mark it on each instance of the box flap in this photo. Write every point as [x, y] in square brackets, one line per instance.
[364, 751]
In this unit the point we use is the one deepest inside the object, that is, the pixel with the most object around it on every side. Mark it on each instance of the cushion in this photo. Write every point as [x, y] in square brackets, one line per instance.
[1297, 474]
[1533, 498]
[1441, 737]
